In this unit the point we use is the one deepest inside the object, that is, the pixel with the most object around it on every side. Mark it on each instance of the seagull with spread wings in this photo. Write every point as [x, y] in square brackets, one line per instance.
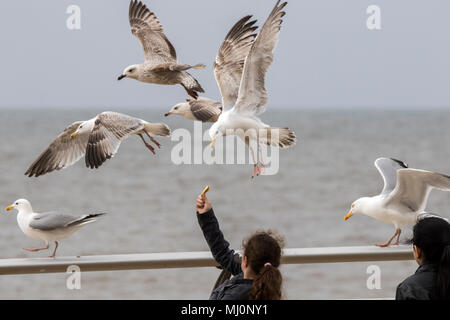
[161, 65]
[98, 139]
[403, 198]
[228, 68]
[244, 99]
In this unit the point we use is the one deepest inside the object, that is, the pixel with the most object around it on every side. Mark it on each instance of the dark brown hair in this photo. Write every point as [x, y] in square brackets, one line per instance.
[263, 253]
[432, 236]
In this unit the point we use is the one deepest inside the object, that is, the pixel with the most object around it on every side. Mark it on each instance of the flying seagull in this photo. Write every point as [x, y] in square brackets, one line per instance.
[228, 68]
[242, 104]
[98, 139]
[48, 226]
[403, 198]
[160, 66]
[200, 109]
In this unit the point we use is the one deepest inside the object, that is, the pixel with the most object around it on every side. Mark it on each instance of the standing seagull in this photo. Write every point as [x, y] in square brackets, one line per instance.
[240, 116]
[403, 198]
[228, 68]
[160, 66]
[98, 139]
[49, 226]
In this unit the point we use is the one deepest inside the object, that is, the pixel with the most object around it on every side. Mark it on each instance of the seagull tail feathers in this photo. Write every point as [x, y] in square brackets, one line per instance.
[191, 85]
[279, 137]
[199, 66]
[157, 129]
[89, 218]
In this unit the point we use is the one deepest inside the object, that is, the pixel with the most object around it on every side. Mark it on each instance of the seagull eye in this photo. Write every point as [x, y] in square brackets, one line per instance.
[131, 70]
[176, 108]
[17, 203]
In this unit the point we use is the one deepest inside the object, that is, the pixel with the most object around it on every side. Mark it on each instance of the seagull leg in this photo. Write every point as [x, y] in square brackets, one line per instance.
[146, 144]
[36, 249]
[256, 170]
[396, 243]
[261, 166]
[153, 140]
[387, 243]
[54, 251]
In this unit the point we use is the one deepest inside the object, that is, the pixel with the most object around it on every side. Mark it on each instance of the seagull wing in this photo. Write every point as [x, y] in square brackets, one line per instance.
[147, 28]
[388, 169]
[252, 97]
[230, 59]
[53, 220]
[61, 153]
[414, 186]
[109, 130]
[205, 109]
[50, 221]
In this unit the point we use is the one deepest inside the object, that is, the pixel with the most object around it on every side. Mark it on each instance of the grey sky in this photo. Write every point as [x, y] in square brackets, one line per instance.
[326, 56]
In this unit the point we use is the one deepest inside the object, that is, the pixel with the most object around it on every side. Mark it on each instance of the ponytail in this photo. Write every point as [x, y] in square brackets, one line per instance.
[263, 253]
[443, 276]
[267, 285]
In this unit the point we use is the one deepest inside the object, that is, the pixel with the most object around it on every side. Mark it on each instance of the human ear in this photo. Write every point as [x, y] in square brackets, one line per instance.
[417, 254]
[244, 262]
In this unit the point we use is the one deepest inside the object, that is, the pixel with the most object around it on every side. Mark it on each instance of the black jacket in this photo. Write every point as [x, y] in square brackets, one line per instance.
[420, 286]
[237, 288]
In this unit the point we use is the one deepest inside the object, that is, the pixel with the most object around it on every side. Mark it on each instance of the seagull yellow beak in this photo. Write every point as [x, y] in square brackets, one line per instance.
[213, 142]
[349, 214]
[73, 135]
[9, 208]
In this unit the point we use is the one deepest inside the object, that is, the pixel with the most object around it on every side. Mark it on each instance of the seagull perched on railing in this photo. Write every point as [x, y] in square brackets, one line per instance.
[49, 226]
[403, 198]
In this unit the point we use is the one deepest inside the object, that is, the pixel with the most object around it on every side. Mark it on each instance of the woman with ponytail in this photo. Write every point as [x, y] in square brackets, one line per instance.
[431, 247]
[256, 275]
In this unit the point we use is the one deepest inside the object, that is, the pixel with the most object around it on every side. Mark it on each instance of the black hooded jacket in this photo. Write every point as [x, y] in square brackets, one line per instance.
[237, 288]
[420, 286]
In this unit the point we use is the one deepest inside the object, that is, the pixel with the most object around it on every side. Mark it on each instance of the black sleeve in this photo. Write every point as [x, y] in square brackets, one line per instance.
[409, 290]
[399, 294]
[227, 258]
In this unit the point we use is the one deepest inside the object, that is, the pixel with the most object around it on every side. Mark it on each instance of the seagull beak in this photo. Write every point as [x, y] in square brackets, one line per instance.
[9, 208]
[213, 142]
[121, 77]
[73, 135]
[349, 214]
[166, 114]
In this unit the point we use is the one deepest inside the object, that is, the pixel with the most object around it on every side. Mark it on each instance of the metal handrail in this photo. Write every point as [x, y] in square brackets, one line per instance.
[196, 259]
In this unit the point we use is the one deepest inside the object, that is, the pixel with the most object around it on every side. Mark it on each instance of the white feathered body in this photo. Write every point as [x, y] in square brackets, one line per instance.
[24, 218]
[377, 208]
[241, 124]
